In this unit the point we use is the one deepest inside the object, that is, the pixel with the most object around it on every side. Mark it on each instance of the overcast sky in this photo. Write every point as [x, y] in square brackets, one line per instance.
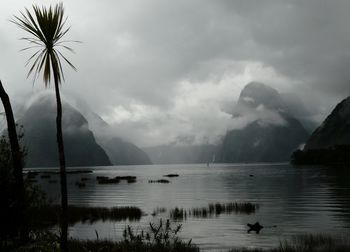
[160, 70]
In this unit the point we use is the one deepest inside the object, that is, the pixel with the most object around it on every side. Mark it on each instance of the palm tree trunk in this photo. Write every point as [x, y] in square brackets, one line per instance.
[16, 159]
[64, 196]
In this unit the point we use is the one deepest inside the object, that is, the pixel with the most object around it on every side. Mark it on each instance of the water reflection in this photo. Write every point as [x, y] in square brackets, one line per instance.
[292, 200]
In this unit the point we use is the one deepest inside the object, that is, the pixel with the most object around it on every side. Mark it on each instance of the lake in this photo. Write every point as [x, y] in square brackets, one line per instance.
[292, 200]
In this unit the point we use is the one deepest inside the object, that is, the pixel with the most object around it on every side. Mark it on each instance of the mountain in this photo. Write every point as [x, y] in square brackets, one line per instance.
[330, 142]
[335, 130]
[256, 94]
[39, 122]
[119, 151]
[272, 132]
[122, 152]
[181, 154]
[300, 111]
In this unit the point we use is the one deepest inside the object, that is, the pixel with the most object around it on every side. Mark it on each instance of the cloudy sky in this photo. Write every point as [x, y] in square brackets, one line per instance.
[161, 70]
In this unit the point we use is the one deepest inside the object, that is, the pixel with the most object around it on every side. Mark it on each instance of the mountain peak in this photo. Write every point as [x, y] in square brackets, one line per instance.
[39, 122]
[256, 142]
[256, 94]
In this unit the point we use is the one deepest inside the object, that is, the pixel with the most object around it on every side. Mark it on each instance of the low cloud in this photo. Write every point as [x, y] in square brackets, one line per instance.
[160, 71]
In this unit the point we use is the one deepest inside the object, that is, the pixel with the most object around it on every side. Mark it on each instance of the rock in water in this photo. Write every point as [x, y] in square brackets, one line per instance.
[255, 227]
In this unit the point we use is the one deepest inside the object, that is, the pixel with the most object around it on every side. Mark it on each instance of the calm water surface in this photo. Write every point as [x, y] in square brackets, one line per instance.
[297, 200]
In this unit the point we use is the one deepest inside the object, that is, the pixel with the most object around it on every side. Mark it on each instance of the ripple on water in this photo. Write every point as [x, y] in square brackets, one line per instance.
[297, 200]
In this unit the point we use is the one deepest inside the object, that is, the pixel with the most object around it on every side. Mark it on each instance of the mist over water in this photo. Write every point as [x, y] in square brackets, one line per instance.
[296, 200]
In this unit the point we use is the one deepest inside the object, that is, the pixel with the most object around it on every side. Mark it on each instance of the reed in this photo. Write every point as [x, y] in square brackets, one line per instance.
[213, 209]
[158, 210]
[49, 215]
[313, 242]
[159, 237]
[178, 214]
[108, 181]
[305, 243]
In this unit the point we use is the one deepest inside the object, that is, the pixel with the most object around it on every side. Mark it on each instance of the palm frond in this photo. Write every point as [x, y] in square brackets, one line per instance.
[69, 63]
[47, 28]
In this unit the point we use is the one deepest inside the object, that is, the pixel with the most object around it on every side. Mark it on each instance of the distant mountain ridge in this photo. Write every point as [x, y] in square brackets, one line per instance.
[182, 154]
[84, 146]
[120, 151]
[272, 135]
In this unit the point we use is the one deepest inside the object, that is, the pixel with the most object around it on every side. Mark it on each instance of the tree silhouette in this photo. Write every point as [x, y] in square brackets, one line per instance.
[46, 27]
[18, 205]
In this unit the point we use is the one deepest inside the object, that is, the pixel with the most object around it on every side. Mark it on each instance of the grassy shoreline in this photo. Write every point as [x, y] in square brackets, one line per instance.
[46, 216]
[161, 239]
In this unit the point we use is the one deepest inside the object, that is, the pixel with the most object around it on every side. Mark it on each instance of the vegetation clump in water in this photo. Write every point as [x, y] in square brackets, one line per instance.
[171, 175]
[129, 179]
[46, 216]
[213, 210]
[161, 181]
[126, 177]
[106, 180]
[158, 210]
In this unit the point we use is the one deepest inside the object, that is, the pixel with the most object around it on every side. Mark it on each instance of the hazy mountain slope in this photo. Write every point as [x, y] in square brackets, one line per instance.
[181, 154]
[119, 151]
[262, 143]
[271, 137]
[335, 130]
[330, 142]
[300, 111]
[40, 136]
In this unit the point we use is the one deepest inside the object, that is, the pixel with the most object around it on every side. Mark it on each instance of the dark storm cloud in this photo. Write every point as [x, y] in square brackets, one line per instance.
[155, 68]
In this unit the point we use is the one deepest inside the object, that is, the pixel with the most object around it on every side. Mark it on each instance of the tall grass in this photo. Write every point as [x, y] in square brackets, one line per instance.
[49, 215]
[306, 243]
[159, 237]
[214, 209]
[317, 242]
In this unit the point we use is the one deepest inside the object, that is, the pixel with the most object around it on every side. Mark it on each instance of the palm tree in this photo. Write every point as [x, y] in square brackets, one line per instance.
[47, 28]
